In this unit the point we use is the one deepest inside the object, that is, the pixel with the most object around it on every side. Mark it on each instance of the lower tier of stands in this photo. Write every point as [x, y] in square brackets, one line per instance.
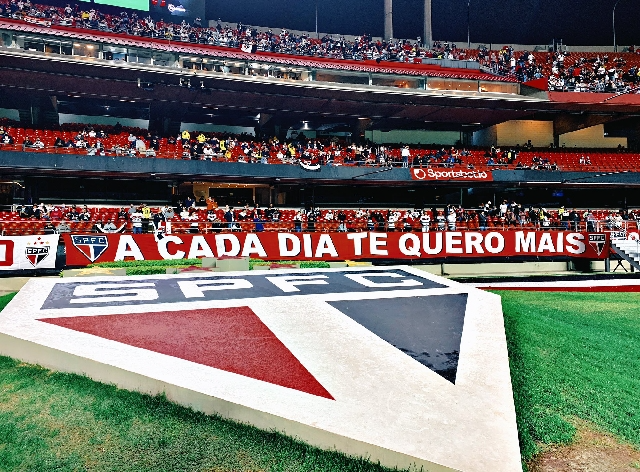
[203, 221]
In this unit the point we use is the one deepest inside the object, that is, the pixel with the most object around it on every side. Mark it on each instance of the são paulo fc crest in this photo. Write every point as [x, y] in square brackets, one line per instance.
[91, 246]
[37, 251]
[598, 241]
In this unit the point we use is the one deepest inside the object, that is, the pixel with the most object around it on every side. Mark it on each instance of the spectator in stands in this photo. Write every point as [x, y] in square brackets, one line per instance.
[109, 227]
[146, 217]
[406, 154]
[49, 228]
[228, 216]
[451, 220]
[297, 221]
[257, 221]
[123, 214]
[63, 227]
[574, 220]
[392, 220]
[425, 221]
[55, 214]
[167, 214]
[136, 221]
[342, 221]
[312, 217]
[85, 214]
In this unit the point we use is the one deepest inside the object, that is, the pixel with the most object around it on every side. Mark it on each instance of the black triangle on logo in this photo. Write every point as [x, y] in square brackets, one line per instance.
[428, 329]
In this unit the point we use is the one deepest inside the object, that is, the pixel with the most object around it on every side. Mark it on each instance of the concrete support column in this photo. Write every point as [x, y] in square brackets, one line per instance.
[427, 38]
[388, 19]
[359, 128]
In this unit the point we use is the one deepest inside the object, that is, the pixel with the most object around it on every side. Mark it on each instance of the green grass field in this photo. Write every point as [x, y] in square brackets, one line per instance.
[573, 356]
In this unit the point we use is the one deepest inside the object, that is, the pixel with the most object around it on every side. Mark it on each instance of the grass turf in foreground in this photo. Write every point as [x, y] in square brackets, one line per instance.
[573, 355]
[62, 422]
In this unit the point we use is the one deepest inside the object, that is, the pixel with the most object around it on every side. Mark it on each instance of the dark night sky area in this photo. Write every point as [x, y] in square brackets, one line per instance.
[498, 22]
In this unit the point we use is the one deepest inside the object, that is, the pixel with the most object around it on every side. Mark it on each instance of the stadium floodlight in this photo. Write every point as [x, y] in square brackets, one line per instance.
[469, 24]
[427, 31]
[317, 34]
[388, 20]
[615, 45]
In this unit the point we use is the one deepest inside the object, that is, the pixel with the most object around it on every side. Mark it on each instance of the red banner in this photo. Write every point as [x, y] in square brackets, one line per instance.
[85, 249]
[418, 173]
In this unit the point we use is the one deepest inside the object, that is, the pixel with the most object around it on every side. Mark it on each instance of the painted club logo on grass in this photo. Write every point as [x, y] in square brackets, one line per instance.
[91, 246]
[390, 363]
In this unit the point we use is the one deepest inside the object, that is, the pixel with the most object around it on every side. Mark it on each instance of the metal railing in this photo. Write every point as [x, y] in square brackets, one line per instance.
[15, 227]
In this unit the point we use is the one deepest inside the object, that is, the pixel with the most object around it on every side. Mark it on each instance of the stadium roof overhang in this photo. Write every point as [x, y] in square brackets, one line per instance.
[27, 76]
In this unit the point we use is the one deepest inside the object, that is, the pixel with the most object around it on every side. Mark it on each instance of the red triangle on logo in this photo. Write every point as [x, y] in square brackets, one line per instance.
[230, 339]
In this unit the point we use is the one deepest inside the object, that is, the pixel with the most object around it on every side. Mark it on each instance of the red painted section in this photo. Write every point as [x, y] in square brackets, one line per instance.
[596, 288]
[540, 84]
[230, 339]
[579, 97]
[589, 97]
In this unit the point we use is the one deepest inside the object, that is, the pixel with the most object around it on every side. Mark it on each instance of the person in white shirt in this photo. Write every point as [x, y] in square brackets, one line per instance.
[425, 221]
[393, 219]
[451, 220]
[406, 153]
[503, 208]
[109, 227]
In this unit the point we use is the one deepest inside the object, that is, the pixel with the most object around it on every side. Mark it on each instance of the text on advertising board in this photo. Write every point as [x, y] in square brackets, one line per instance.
[335, 246]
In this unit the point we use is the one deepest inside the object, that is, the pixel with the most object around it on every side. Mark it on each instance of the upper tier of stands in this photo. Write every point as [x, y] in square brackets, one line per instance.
[583, 71]
[244, 43]
[242, 148]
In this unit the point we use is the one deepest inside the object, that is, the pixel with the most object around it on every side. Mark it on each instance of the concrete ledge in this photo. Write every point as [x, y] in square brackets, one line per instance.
[94, 271]
[261, 267]
[337, 265]
[209, 262]
[494, 268]
[229, 264]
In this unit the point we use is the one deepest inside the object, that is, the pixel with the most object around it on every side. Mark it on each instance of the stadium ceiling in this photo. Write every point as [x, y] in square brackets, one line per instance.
[29, 77]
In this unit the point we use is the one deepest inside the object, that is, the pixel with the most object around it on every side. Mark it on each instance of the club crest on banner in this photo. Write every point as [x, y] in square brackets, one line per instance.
[598, 241]
[37, 251]
[91, 246]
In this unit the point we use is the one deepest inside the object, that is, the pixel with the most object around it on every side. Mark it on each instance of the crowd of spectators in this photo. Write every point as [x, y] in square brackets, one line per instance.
[191, 216]
[565, 71]
[579, 72]
[244, 37]
[300, 150]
